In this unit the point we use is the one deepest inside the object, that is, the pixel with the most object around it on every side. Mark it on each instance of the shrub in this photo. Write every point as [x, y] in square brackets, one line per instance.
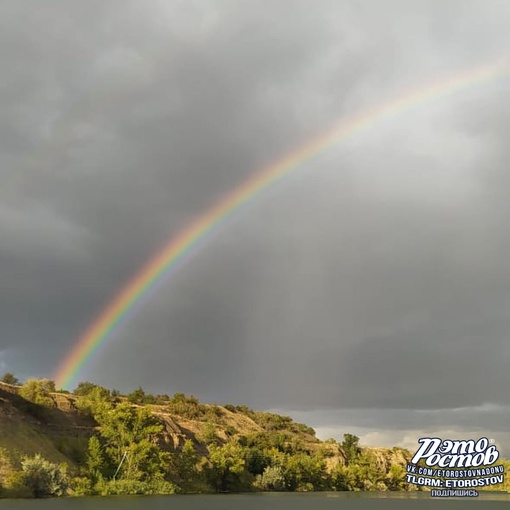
[81, 486]
[9, 378]
[95, 401]
[184, 464]
[187, 407]
[213, 414]
[15, 486]
[271, 479]
[85, 388]
[230, 430]
[138, 396]
[42, 477]
[133, 487]
[302, 428]
[5, 465]
[161, 399]
[208, 433]
[38, 391]
[226, 468]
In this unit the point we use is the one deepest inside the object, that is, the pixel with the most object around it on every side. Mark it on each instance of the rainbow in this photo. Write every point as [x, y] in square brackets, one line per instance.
[181, 247]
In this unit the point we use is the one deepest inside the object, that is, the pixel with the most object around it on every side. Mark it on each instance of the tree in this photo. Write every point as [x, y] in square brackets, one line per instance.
[350, 446]
[371, 472]
[38, 391]
[43, 478]
[140, 397]
[9, 378]
[96, 463]
[396, 478]
[95, 401]
[209, 433]
[304, 472]
[226, 467]
[271, 479]
[85, 388]
[256, 460]
[339, 478]
[129, 435]
[187, 407]
[137, 396]
[184, 464]
[5, 466]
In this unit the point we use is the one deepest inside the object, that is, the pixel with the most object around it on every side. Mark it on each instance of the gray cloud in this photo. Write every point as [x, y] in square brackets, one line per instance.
[373, 280]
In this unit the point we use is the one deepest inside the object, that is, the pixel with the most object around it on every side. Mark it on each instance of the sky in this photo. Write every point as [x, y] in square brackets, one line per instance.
[368, 292]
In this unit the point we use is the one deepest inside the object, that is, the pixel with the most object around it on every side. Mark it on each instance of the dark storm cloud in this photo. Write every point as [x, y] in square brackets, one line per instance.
[375, 278]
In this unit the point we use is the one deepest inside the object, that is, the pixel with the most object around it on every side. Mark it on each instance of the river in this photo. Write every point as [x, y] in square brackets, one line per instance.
[268, 501]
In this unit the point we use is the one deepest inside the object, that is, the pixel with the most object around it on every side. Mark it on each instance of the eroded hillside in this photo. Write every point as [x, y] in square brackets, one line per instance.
[94, 430]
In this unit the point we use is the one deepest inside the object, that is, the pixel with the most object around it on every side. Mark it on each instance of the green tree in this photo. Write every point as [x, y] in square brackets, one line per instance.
[271, 479]
[38, 391]
[304, 472]
[85, 388]
[339, 478]
[350, 446]
[9, 378]
[256, 460]
[96, 462]
[95, 401]
[226, 467]
[137, 396]
[366, 474]
[396, 478]
[184, 464]
[353, 478]
[187, 407]
[129, 435]
[6, 467]
[43, 478]
[209, 433]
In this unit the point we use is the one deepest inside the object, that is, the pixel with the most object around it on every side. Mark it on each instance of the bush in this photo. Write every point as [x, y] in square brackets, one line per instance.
[272, 422]
[208, 434]
[187, 407]
[213, 414]
[43, 478]
[38, 391]
[96, 400]
[85, 388]
[161, 399]
[138, 396]
[271, 479]
[81, 486]
[133, 487]
[184, 465]
[15, 486]
[304, 429]
[256, 460]
[230, 430]
[9, 378]
[5, 465]
[226, 468]
[5, 471]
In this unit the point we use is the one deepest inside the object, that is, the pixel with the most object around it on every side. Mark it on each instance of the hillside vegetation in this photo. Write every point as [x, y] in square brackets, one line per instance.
[96, 441]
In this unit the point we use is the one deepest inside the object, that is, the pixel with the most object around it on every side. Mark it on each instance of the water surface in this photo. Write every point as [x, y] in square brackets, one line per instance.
[268, 501]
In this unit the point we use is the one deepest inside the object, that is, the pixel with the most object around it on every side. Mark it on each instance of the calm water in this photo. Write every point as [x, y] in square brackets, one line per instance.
[273, 501]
